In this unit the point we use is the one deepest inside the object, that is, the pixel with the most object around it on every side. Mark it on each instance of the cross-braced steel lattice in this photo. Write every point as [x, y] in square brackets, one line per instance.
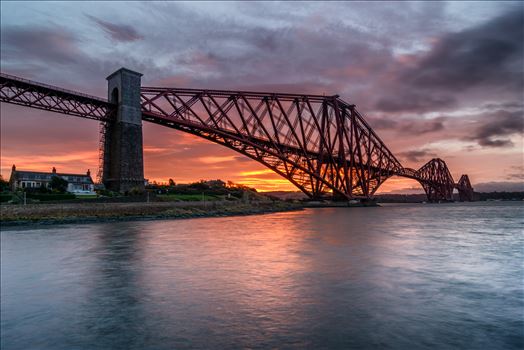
[28, 93]
[321, 144]
[435, 178]
[465, 190]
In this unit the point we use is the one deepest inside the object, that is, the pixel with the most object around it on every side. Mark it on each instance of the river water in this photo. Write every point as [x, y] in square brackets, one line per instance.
[446, 276]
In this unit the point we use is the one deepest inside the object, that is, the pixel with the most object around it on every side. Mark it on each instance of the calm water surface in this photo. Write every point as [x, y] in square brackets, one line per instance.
[444, 276]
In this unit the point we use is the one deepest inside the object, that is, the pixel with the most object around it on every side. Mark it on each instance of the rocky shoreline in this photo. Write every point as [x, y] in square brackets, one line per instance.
[73, 213]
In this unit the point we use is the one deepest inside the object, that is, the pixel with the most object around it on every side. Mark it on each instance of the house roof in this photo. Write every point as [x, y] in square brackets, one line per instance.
[23, 175]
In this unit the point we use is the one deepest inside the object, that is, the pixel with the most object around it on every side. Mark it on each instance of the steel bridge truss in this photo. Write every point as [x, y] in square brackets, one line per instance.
[465, 190]
[28, 93]
[321, 144]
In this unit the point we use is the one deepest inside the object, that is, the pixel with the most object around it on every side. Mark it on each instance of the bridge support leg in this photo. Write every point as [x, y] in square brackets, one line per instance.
[123, 153]
[438, 193]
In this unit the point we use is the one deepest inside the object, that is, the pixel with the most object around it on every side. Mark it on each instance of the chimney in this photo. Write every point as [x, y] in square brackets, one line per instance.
[13, 169]
[54, 170]
[88, 172]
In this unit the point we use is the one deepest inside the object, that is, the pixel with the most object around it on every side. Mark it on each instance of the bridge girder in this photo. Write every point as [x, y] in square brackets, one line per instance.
[28, 93]
[319, 143]
[436, 179]
[465, 190]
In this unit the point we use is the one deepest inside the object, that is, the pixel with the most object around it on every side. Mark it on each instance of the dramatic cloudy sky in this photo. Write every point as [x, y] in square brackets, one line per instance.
[433, 78]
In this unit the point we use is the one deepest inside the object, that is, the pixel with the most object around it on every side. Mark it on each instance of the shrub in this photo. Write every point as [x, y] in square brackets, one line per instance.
[135, 191]
[43, 197]
[105, 193]
[4, 184]
[5, 197]
[58, 184]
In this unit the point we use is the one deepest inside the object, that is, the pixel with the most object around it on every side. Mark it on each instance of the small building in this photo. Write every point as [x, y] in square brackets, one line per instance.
[81, 184]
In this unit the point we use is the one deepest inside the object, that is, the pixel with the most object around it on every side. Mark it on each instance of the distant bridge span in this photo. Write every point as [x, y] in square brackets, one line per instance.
[321, 144]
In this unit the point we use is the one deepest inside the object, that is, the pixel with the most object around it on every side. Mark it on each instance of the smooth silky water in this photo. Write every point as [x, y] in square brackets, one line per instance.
[446, 276]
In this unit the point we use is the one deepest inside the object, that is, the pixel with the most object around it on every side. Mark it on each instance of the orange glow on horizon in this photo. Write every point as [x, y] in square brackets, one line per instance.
[72, 147]
[255, 175]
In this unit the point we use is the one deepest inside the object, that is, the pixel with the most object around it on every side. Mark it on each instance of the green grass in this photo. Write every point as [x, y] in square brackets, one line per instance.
[187, 197]
[86, 196]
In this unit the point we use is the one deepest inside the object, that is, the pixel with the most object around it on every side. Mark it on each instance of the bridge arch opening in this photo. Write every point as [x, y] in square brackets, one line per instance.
[400, 185]
[203, 159]
[114, 96]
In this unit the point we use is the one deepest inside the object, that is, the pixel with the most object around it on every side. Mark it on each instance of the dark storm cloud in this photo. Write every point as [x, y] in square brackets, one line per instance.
[408, 126]
[487, 57]
[52, 45]
[322, 57]
[417, 155]
[117, 32]
[422, 126]
[54, 55]
[225, 52]
[496, 127]
[489, 54]
[506, 106]
[415, 102]
[381, 123]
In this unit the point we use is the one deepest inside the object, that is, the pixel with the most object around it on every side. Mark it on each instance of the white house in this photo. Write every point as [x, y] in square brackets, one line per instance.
[81, 184]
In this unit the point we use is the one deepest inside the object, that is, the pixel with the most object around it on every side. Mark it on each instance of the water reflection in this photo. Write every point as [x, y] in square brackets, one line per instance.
[240, 277]
[114, 302]
[401, 277]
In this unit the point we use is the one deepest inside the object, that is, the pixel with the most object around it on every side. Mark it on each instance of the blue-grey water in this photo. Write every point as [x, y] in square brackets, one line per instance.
[446, 276]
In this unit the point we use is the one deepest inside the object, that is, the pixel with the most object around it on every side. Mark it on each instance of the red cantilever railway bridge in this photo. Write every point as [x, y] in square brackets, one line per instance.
[321, 144]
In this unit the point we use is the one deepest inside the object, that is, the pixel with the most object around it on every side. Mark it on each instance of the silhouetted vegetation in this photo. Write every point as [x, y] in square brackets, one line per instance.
[5, 197]
[4, 185]
[507, 196]
[209, 190]
[45, 197]
[57, 184]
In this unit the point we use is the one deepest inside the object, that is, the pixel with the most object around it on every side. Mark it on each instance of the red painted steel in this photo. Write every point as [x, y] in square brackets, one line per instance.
[466, 193]
[51, 98]
[321, 144]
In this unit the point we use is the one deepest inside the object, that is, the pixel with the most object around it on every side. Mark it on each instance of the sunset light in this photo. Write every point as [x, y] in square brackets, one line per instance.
[339, 175]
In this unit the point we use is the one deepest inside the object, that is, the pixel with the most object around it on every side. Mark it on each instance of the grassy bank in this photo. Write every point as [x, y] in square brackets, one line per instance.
[92, 212]
[187, 197]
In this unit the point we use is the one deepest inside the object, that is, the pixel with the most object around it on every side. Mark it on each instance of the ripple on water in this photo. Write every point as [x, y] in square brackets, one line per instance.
[397, 277]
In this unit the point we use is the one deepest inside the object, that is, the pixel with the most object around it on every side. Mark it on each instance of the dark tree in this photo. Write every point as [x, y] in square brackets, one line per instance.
[199, 186]
[4, 185]
[58, 184]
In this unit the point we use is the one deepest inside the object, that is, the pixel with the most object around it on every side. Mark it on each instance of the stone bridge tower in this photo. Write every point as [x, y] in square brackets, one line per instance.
[123, 152]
